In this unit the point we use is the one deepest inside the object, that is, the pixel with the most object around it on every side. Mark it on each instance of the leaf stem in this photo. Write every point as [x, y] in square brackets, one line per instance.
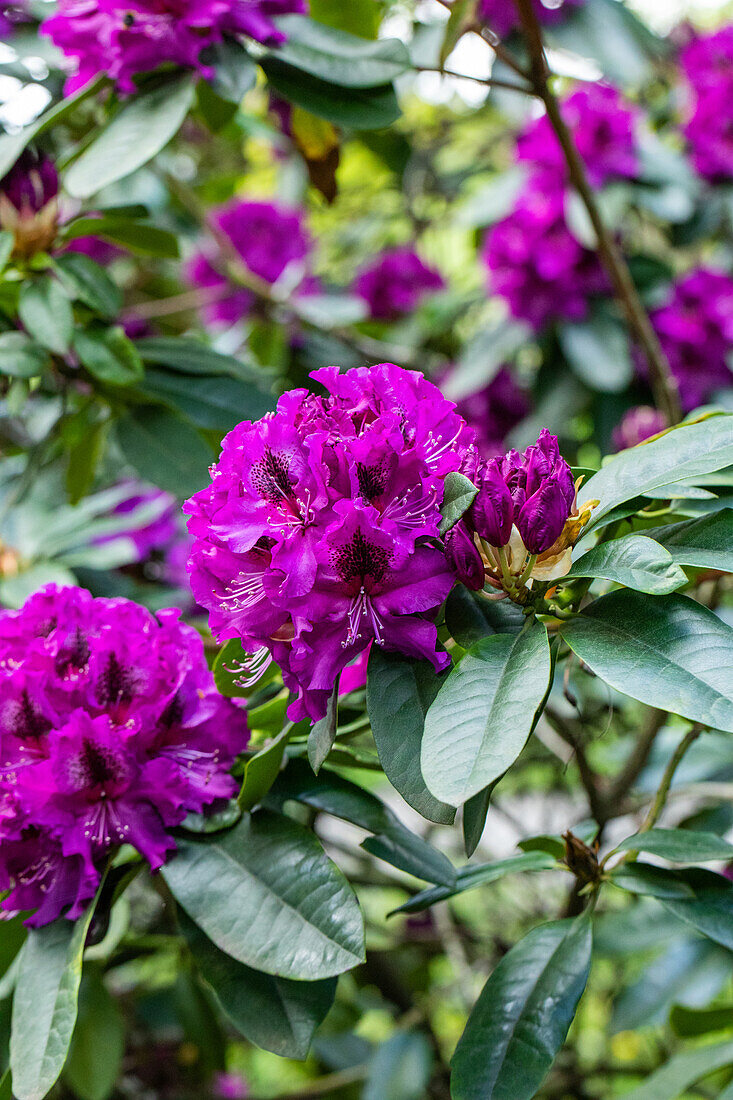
[660, 797]
[663, 383]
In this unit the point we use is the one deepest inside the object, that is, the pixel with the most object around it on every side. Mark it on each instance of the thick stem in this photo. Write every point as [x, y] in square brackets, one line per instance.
[660, 797]
[663, 383]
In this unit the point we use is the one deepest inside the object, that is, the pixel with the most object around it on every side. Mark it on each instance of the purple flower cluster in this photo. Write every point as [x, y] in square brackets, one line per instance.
[395, 283]
[502, 16]
[707, 63]
[637, 425]
[517, 526]
[268, 237]
[696, 331]
[314, 538]
[29, 203]
[604, 128]
[536, 264]
[122, 38]
[111, 731]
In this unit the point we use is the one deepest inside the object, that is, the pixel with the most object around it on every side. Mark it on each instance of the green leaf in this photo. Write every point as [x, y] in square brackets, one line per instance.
[470, 618]
[266, 893]
[108, 355]
[360, 17]
[399, 692]
[706, 543]
[599, 353]
[700, 1021]
[635, 561]
[12, 145]
[229, 669]
[87, 282]
[520, 1021]
[551, 845]
[355, 108]
[164, 450]
[7, 243]
[181, 353]
[468, 878]
[458, 495]
[484, 713]
[339, 57]
[98, 1043]
[262, 770]
[236, 72]
[142, 126]
[678, 845]
[335, 795]
[20, 357]
[475, 811]
[83, 462]
[273, 1013]
[46, 314]
[650, 881]
[11, 941]
[217, 402]
[696, 896]
[681, 454]
[323, 734]
[682, 1071]
[667, 651]
[400, 1068]
[6, 1086]
[45, 1004]
[140, 237]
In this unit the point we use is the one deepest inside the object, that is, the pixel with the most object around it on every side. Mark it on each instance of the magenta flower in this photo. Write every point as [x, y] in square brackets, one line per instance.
[637, 425]
[502, 16]
[123, 40]
[318, 533]
[111, 731]
[603, 126]
[29, 203]
[696, 330]
[395, 283]
[536, 264]
[707, 63]
[269, 238]
[229, 1086]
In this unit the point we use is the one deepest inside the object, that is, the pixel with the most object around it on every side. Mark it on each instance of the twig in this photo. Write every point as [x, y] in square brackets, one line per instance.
[660, 797]
[322, 1086]
[487, 81]
[663, 383]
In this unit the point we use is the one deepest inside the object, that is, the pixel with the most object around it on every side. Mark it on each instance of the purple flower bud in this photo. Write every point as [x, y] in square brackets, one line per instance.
[543, 515]
[493, 508]
[637, 425]
[463, 557]
[31, 183]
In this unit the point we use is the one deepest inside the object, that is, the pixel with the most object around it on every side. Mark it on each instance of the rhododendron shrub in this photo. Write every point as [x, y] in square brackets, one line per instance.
[365, 551]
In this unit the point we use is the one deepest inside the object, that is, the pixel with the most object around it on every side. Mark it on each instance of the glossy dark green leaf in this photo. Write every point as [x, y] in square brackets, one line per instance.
[338, 56]
[706, 543]
[700, 1021]
[636, 562]
[552, 845]
[140, 237]
[484, 713]
[261, 771]
[273, 1013]
[475, 811]
[458, 495]
[682, 454]
[189, 356]
[323, 734]
[335, 795]
[520, 1021]
[11, 941]
[399, 692]
[98, 1043]
[355, 108]
[400, 1068]
[651, 881]
[84, 459]
[20, 357]
[598, 351]
[45, 1004]
[108, 355]
[698, 897]
[470, 618]
[142, 126]
[89, 283]
[679, 845]
[682, 1071]
[667, 651]
[45, 311]
[164, 450]
[266, 893]
[217, 402]
[468, 878]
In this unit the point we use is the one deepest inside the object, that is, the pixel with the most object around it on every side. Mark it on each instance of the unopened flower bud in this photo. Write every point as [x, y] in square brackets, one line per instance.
[28, 203]
[493, 507]
[463, 557]
[542, 517]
